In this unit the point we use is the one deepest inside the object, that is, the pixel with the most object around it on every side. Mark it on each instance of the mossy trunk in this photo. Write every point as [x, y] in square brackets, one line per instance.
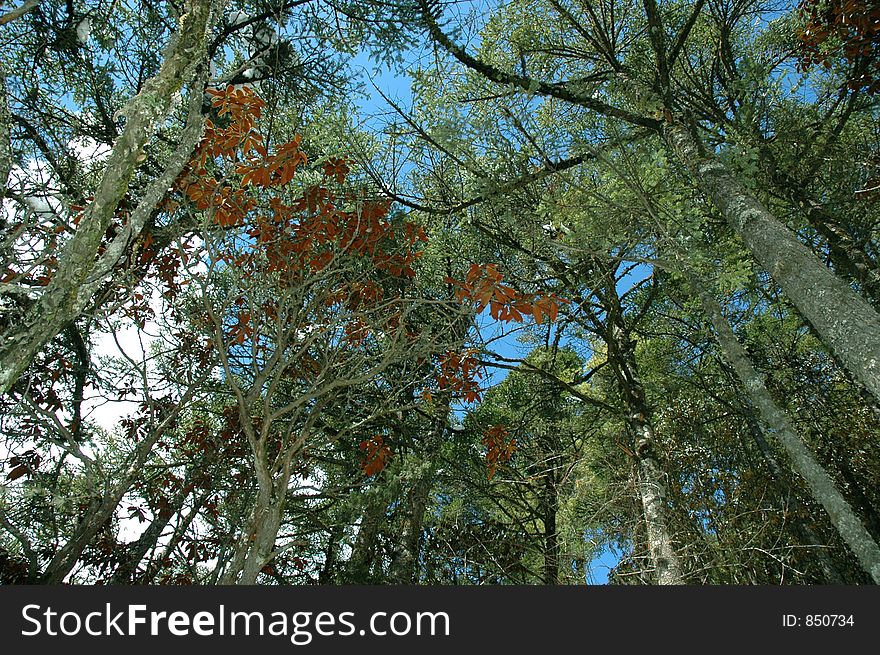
[844, 321]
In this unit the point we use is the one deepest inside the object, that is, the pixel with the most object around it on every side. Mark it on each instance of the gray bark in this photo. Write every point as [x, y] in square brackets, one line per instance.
[667, 565]
[777, 425]
[650, 480]
[62, 301]
[806, 533]
[847, 324]
[255, 545]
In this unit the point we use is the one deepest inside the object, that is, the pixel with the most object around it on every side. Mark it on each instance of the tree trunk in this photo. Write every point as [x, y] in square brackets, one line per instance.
[363, 553]
[180, 529]
[254, 548]
[62, 300]
[847, 324]
[777, 425]
[550, 506]
[805, 533]
[6, 160]
[848, 257]
[404, 566]
[135, 552]
[329, 572]
[65, 559]
[650, 484]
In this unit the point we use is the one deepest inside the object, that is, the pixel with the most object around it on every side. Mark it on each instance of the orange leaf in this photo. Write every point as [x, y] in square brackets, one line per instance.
[536, 312]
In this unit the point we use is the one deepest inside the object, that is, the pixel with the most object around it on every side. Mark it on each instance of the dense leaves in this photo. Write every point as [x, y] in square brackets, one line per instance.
[595, 301]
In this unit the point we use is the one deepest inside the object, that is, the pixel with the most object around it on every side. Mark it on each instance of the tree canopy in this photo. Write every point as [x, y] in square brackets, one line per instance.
[428, 292]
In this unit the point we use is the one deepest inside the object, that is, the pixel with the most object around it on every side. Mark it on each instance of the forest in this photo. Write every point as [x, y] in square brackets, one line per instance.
[440, 292]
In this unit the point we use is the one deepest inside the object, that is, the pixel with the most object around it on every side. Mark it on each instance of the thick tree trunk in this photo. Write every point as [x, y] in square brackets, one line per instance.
[667, 565]
[257, 540]
[777, 425]
[847, 324]
[267, 522]
[63, 299]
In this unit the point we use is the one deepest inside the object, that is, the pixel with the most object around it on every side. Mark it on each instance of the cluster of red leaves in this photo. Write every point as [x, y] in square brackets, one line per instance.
[25, 463]
[292, 238]
[843, 28]
[376, 455]
[272, 170]
[459, 373]
[498, 448]
[484, 287]
[242, 107]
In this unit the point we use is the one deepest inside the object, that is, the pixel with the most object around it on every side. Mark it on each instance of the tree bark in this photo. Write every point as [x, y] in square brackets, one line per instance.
[62, 300]
[777, 425]
[363, 552]
[180, 529]
[404, 566]
[650, 479]
[847, 324]
[257, 540]
[550, 506]
[65, 559]
[805, 533]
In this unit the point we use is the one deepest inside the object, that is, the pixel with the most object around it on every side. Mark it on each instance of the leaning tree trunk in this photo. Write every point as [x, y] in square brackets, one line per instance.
[404, 565]
[64, 299]
[776, 424]
[257, 540]
[803, 530]
[847, 324]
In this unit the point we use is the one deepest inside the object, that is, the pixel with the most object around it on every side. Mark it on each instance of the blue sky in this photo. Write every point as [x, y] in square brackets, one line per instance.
[503, 338]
